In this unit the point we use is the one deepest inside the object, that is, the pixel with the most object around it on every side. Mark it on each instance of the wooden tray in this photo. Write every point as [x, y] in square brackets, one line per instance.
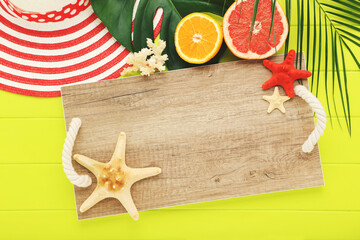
[206, 127]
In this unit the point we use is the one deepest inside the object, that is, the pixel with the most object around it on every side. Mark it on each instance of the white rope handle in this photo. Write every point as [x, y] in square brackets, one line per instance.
[315, 104]
[77, 180]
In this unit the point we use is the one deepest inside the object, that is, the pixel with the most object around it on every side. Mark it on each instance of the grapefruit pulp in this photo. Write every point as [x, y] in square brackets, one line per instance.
[237, 23]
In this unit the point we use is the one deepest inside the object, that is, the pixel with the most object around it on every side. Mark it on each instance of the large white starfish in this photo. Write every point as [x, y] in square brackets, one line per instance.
[276, 101]
[114, 179]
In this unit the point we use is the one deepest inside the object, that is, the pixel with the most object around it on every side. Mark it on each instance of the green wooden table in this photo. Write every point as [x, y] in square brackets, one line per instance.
[37, 201]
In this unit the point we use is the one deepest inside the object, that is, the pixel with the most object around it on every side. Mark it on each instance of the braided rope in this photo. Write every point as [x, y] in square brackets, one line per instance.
[315, 104]
[77, 180]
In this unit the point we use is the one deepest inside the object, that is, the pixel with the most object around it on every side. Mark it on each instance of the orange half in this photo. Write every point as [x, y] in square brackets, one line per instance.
[198, 38]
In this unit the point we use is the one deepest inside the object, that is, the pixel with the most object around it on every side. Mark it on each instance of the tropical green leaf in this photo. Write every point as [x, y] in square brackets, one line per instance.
[347, 3]
[336, 56]
[343, 10]
[117, 16]
[314, 46]
[348, 25]
[351, 40]
[320, 52]
[300, 15]
[301, 25]
[288, 17]
[241, 5]
[352, 54]
[349, 34]
[354, 20]
[272, 28]
[345, 88]
[333, 51]
[326, 68]
[252, 25]
[339, 19]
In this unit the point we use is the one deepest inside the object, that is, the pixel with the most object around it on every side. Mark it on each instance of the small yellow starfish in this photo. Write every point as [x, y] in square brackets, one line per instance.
[276, 101]
[114, 179]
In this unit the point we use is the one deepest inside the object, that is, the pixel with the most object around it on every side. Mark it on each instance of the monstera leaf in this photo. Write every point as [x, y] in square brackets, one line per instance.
[117, 16]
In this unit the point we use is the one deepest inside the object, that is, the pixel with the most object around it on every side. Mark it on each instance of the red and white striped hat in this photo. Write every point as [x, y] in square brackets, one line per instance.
[40, 52]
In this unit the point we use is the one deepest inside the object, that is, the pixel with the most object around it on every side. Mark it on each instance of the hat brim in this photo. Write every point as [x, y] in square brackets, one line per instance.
[38, 58]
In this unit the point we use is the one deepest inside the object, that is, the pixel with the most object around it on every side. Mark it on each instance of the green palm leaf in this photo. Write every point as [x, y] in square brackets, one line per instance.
[340, 19]
[252, 25]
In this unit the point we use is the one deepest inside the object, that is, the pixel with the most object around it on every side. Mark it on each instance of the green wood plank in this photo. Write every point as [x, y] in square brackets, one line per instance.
[45, 187]
[31, 140]
[336, 146]
[189, 225]
[19, 106]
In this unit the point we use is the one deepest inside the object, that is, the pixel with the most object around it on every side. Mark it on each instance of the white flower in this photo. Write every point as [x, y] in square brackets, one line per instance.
[148, 60]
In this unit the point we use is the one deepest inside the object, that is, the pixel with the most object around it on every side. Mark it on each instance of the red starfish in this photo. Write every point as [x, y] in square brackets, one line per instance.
[284, 74]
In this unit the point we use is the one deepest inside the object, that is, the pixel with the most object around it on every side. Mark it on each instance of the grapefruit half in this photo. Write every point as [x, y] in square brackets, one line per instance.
[236, 27]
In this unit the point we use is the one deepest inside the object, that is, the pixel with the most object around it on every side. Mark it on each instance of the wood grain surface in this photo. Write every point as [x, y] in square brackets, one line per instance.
[206, 127]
